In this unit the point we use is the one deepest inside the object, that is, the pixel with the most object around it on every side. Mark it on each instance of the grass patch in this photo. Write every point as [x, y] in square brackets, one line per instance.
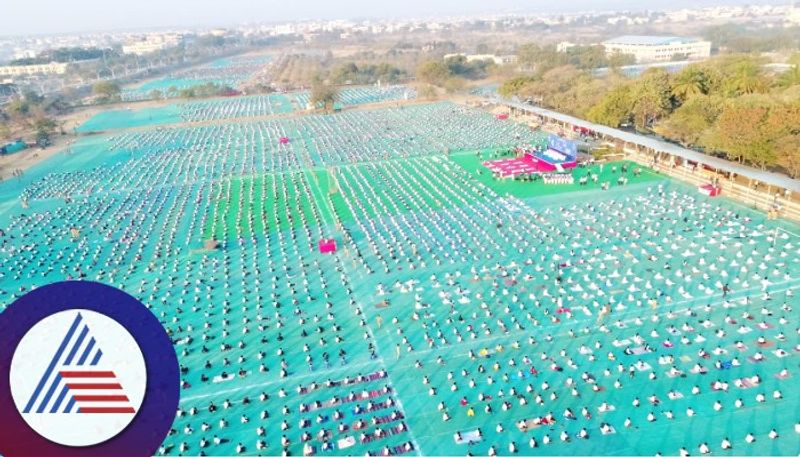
[256, 205]
[473, 163]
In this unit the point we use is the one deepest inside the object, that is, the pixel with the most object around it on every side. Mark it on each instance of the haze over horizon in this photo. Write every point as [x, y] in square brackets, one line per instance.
[26, 18]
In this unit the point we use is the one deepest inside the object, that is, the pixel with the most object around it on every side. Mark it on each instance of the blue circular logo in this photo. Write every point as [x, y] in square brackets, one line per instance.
[86, 370]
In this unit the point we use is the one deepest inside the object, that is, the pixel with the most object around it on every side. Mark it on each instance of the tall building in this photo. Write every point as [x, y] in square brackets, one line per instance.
[151, 43]
[658, 48]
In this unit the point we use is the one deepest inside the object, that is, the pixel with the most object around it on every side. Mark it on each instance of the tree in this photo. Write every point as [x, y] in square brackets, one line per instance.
[619, 59]
[691, 121]
[614, 109]
[531, 56]
[652, 98]
[552, 84]
[714, 105]
[790, 77]
[513, 86]
[350, 73]
[18, 109]
[189, 92]
[690, 82]
[107, 90]
[345, 74]
[433, 72]
[745, 78]
[56, 104]
[388, 73]
[461, 67]
[44, 127]
[585, 94]
[588, 57]
[789, 154]
[527, 55]
[453, 85]
[750, 128]
[32, 98]
[731, 137]
[743, 38]
[323, 94]
[426, 91]
[569, 90]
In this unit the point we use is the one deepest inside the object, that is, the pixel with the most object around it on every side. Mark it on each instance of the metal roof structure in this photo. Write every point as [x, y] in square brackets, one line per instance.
[767, 177]
[649, 40]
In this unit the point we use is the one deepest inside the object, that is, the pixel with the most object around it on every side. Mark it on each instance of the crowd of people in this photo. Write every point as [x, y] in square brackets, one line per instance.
[280, 103]
[226, 72]
[558, 323]
[450, 319]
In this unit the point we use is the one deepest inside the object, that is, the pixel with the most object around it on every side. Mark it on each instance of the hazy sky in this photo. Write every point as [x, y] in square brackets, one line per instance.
[56, 16]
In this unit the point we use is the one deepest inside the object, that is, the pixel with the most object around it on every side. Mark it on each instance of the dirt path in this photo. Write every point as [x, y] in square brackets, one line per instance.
[29, 157]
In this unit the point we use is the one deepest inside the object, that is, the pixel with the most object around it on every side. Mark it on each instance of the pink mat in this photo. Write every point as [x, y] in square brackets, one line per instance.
[327, 245]
[709, 190]
[518, 166]
[527, 164]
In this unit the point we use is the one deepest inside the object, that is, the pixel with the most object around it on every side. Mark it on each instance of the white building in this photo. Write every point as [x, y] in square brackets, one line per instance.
[151, 44]
[52, 68]
[564, 46]
[498, 60]
[658, 48]
[25, 53]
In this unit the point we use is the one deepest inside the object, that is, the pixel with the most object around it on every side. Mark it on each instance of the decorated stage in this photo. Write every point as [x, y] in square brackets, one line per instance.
[526, 165]
[560, 156]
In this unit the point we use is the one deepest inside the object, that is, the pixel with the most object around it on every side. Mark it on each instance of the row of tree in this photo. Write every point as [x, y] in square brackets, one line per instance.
[753, 37]
[728, 106]
[107, 91]
[63, 55]
[351, 73]
[208, 89]
[323, 95]
[532, 56]
[32, 112]
[453, 72]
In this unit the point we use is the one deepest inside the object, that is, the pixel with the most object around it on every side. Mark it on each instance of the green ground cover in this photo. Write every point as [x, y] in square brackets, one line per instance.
[465, 271]
[120, 119]
[473, 162]
[259, 204]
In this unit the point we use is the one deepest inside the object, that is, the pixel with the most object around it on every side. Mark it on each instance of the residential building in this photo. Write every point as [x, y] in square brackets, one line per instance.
[658, 48]
[151, 43]
[52, 68]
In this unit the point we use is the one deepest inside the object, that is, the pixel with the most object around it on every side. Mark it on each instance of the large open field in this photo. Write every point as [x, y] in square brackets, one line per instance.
[460, 313]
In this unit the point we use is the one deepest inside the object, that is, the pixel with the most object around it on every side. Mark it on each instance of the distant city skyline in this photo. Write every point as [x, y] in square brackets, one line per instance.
[58, 16]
